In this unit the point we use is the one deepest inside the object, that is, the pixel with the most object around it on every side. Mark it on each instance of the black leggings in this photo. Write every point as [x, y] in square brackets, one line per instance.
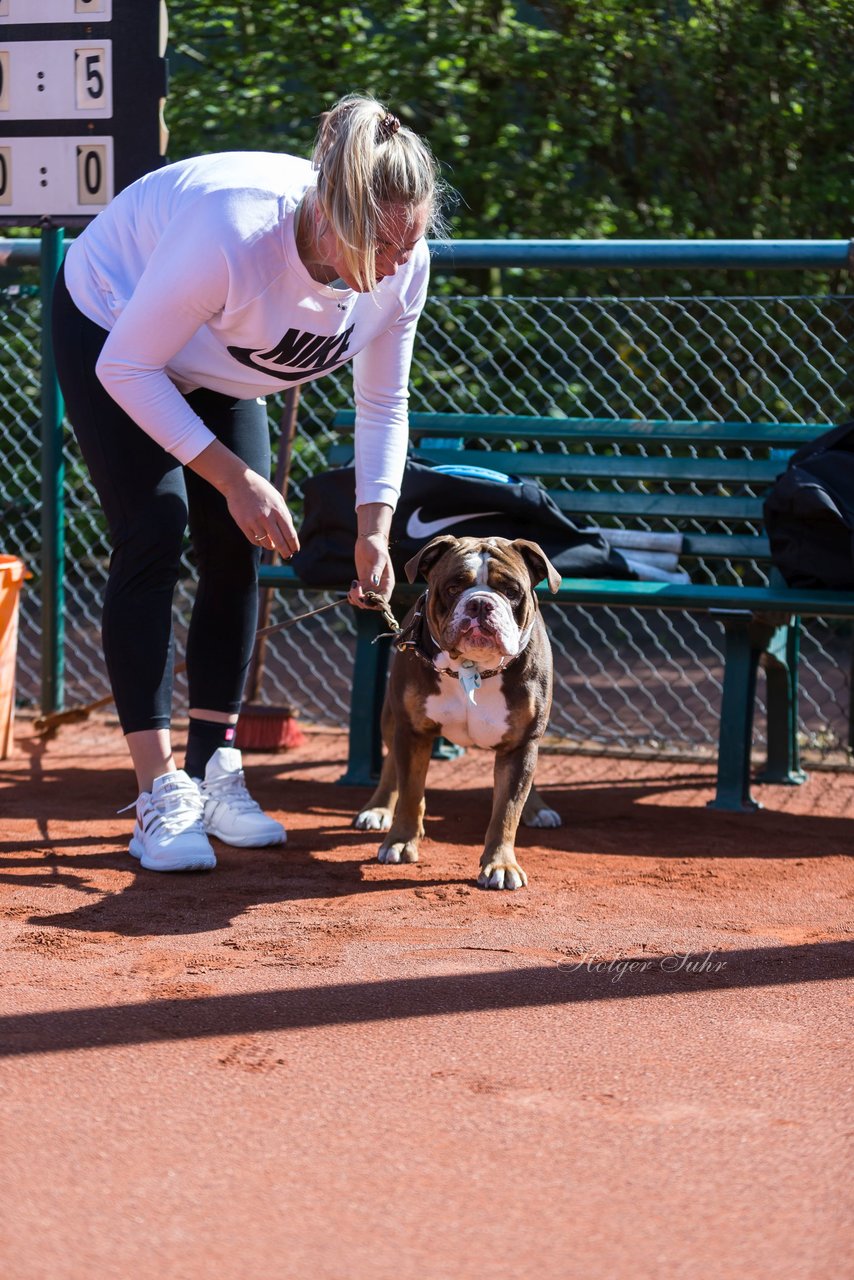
[148, 499]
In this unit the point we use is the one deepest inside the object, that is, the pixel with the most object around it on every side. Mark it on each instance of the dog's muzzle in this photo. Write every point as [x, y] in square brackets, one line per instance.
[484, 618]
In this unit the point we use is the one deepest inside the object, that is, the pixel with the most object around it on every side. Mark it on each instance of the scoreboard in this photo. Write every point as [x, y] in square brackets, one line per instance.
[82, 87]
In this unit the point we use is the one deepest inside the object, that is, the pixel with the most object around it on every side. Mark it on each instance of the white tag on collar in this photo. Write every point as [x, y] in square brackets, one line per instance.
[469, 679]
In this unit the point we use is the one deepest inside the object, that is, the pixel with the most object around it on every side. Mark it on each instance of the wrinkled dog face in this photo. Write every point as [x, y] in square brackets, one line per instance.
[481, 602]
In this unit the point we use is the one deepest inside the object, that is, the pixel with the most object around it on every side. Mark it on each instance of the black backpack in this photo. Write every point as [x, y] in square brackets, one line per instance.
[809, 513]
[434, 502]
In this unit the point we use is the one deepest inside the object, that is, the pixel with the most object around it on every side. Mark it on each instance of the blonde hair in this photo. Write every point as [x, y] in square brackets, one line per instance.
[365, 161]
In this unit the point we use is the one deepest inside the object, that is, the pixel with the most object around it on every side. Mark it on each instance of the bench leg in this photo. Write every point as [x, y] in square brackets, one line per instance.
[741, 660]
[780, 661]
[370, 667]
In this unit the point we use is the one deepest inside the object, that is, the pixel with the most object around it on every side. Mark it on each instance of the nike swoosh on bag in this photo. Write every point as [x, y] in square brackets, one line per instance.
[418, 528]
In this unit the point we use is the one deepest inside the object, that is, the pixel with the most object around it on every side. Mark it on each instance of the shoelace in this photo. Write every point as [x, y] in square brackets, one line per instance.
[174, 805]
[231, 788]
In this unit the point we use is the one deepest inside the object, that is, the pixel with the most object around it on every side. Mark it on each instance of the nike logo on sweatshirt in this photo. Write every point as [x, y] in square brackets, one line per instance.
[297, 354]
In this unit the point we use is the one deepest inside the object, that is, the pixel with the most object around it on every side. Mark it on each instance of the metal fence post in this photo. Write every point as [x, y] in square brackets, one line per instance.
[52, 488]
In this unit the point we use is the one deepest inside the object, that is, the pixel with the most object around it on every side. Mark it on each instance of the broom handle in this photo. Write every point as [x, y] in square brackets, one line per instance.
[269, 556]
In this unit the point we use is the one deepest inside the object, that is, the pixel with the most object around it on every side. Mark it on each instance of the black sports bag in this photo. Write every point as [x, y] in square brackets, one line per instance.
[809, 513]
[434, 502]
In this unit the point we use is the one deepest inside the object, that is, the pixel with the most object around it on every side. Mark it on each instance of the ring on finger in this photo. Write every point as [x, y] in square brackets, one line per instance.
[261, 537]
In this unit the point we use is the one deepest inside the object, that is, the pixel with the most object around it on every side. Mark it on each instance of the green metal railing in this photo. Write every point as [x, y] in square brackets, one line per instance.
[754, 255]
[647, 255]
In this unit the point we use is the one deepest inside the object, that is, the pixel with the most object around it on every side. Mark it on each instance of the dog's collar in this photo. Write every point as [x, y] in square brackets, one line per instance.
[417, 638]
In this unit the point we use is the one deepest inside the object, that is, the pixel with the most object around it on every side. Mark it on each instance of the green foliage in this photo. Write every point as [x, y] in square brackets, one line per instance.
[624, 118]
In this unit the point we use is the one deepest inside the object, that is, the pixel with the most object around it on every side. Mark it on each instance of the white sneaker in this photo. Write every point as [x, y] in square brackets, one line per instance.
[169, 834]
[230, 812]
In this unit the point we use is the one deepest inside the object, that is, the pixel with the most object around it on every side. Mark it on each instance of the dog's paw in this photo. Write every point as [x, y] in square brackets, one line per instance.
[398, 851]
[502, 875]
[544, 817]
[373, 820]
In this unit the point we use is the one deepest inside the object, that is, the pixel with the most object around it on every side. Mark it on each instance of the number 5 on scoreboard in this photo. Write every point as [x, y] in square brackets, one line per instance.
[89, 77]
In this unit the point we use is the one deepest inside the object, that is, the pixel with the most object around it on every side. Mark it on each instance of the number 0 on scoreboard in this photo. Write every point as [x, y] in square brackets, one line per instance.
[92, 184]
[74, 174]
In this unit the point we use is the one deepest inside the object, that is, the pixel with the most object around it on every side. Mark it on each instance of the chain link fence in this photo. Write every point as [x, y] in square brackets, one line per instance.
[626, 680]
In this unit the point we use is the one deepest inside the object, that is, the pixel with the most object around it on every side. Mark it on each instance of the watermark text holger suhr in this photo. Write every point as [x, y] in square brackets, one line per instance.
[618, 966]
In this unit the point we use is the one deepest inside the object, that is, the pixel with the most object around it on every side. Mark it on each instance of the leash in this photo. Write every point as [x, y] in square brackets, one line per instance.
[372, 598]
[47, 725]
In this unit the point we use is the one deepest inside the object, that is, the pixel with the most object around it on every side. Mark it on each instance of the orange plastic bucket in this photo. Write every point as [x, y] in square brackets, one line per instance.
[12, 574]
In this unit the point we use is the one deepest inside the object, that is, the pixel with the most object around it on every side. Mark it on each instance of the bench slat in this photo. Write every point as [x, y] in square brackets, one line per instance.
[786, 435]
[725, 471]
[659, 506]
[725, 546]
[643, 595]
[668, 595]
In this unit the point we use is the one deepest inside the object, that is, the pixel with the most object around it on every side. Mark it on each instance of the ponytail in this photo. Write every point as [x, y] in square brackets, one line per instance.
[365, 160]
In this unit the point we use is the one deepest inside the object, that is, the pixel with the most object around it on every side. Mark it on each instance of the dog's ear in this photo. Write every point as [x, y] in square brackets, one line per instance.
[422, 562]
[538, 563]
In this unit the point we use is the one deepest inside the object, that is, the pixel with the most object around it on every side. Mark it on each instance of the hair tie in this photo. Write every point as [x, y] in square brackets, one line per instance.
[387, 127]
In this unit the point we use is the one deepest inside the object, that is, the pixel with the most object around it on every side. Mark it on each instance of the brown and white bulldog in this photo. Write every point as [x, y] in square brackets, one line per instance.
[474, 665]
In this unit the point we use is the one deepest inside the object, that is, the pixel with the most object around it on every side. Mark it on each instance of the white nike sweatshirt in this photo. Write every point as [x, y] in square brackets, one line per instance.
[194, 271]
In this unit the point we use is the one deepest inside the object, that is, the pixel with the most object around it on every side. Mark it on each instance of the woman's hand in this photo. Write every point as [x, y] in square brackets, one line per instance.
[262, 514]
[373, 569]
[257, 508]
[373, 564]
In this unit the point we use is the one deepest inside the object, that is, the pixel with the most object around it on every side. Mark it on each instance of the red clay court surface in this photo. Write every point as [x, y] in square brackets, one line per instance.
[307, 1064]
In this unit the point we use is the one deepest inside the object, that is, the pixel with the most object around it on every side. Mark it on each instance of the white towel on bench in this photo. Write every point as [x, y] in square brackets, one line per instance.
[646, 572]
[642, 539]
[654, 557]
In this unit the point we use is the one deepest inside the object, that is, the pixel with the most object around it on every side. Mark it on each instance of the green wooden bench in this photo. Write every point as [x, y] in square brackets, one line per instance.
[703, 479]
